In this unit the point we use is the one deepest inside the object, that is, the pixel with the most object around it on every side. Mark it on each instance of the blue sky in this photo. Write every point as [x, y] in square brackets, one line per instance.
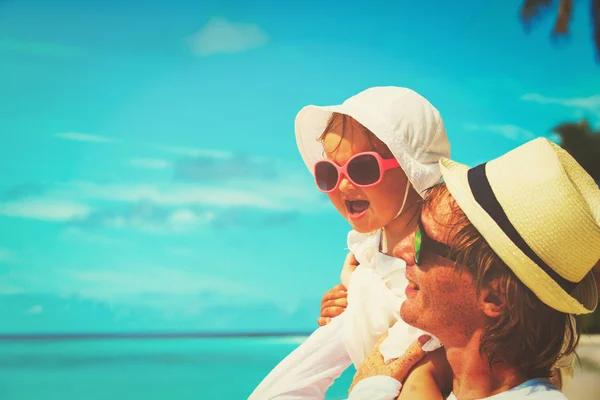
[151, 179]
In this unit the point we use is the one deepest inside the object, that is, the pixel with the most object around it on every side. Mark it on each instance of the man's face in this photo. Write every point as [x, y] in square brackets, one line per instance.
[441, 298]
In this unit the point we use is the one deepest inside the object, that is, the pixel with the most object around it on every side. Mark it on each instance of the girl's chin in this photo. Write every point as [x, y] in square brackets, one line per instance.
[362, 227]
[365, 225]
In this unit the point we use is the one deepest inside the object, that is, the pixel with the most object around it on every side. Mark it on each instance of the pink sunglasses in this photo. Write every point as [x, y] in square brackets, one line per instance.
[362, 170]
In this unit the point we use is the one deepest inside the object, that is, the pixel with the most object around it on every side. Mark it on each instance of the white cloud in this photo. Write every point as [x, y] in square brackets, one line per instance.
[70, 233]
[84, 137]
[511, 132]
[168, 206]
[9, 289]
[181, 218]
[222, 36]
[195, 152]
[150, 163]
[108, 284]
[591, 103]
[159, 287]
[37, 309]
[174, 195]
[153, 221]
[45, 209]
[161, 208]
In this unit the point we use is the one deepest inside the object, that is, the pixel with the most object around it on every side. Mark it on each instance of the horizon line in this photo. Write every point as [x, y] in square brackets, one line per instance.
[142, 335]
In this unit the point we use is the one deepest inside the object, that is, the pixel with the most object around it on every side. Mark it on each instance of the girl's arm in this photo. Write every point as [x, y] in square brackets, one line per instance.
[377, 380]
[425, 376]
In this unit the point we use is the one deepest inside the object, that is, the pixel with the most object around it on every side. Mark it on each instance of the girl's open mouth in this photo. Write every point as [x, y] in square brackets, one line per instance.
[356, 208]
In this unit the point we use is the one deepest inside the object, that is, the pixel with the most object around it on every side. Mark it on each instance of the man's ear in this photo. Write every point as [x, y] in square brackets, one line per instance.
[492, 299]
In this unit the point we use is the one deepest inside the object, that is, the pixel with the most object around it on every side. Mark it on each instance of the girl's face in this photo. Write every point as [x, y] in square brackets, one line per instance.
[366, 209]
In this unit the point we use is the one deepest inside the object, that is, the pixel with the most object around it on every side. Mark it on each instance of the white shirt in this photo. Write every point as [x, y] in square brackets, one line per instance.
[387, 388]
[533, 389]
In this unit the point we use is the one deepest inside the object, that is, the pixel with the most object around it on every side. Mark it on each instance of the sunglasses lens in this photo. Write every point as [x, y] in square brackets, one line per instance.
[418, 241]
[364, 170]
[326, 176]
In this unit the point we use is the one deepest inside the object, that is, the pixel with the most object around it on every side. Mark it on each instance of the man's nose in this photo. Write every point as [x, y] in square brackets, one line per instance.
[405, 250]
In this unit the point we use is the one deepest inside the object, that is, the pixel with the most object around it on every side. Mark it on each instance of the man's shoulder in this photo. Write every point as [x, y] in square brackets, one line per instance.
[535, 389]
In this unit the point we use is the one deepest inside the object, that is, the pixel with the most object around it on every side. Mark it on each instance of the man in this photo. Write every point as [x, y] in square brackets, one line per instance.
[499, 267]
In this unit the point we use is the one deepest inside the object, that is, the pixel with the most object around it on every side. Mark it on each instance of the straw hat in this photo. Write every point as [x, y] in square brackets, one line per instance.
[540, 212]
[402, 119]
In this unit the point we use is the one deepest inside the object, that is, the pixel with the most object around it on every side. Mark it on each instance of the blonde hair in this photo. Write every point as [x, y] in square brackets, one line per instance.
[348, 126]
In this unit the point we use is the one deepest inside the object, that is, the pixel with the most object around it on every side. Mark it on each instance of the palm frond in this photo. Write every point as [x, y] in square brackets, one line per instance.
[563, 19]
[583, 144]
[532, 9]
[595, 13]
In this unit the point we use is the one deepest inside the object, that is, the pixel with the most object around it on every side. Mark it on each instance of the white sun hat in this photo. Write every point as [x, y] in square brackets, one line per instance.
[540, 212]
[401, 118]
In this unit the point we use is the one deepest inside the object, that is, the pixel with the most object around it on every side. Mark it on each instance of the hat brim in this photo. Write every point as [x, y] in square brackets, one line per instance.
[309, 125]
[583, 300]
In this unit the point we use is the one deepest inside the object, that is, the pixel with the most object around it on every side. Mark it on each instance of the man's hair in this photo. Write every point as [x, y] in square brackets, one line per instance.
[529, 336]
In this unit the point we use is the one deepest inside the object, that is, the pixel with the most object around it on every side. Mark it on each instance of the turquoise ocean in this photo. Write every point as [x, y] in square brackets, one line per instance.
[148, 369]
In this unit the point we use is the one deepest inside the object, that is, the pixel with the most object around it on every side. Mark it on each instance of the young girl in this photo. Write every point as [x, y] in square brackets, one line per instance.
[374, 155]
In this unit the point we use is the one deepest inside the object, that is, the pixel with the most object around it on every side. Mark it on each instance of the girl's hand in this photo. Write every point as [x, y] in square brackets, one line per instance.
[398, 369]
[334, 303]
